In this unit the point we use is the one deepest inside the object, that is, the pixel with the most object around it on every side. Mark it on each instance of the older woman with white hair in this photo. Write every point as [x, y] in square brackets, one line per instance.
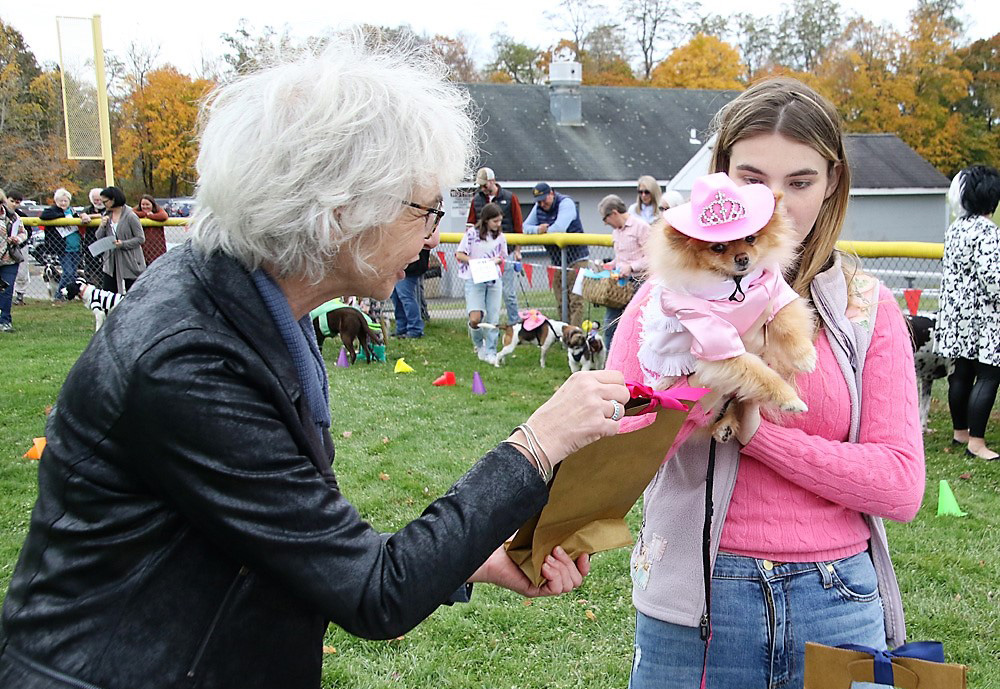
[65, 240]
[189, 528]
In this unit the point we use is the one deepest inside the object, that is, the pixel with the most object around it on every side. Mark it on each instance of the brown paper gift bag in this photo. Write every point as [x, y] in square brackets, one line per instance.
[594, 488]
[840, 668]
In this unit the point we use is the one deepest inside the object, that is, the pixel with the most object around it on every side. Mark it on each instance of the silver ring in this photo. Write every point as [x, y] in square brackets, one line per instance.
[619, 410]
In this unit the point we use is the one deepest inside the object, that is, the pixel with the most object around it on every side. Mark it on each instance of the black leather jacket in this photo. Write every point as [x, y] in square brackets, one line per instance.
[189, 531]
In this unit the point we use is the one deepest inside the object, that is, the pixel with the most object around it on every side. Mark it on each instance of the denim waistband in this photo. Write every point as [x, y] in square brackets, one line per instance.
[729, 566]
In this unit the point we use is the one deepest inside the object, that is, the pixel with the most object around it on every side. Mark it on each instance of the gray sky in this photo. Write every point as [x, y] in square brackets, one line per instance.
[187, 31]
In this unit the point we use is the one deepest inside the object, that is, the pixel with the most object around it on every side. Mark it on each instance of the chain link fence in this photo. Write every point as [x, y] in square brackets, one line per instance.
[42, 269]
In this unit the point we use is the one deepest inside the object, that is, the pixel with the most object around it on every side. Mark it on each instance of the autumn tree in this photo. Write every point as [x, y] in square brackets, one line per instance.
[161, 120]
[605, 61]
[933, 126]
[861, 76]
[650, 22]
[513, 62]
[804, 31]
[31, 122]
[981, 106]
[454, 52]
[578, 18]
[704, 62]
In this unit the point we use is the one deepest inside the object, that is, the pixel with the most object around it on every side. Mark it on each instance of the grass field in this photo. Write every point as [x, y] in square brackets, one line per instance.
[401, 442]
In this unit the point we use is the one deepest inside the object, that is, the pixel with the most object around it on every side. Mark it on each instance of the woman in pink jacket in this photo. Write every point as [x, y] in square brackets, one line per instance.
[797, 551]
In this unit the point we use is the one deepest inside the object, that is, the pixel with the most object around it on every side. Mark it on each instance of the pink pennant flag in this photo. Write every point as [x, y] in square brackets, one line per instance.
[444, 263]
[912, 297]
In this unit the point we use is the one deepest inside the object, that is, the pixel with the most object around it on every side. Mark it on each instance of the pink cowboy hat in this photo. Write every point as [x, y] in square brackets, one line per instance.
[720, 211]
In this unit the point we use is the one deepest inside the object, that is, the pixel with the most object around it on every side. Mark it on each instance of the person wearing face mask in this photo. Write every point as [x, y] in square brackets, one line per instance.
[797, 550]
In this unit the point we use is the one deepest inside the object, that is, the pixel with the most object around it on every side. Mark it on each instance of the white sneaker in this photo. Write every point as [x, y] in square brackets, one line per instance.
[482, 354]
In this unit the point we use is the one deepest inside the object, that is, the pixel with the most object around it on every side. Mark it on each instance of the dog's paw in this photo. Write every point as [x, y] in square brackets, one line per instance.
[796, 406]
[806, 361]
[723, 433]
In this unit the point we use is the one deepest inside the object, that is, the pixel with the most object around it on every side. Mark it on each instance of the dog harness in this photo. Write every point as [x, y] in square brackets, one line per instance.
[678, 328]
[333, 305]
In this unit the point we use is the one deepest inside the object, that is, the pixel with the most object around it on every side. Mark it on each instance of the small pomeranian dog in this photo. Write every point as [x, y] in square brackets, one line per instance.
[720, 310]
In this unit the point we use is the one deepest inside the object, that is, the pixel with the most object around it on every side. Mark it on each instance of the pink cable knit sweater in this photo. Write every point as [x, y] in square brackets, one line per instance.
[801, 486]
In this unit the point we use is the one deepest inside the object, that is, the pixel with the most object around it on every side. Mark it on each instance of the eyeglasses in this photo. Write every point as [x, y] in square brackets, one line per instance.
[644, 191]
[431, 218]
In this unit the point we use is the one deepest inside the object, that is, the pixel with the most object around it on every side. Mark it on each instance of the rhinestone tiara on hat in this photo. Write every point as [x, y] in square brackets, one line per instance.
[721, 210]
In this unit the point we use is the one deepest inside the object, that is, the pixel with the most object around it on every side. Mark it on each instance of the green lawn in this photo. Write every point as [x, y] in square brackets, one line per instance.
[402, 441]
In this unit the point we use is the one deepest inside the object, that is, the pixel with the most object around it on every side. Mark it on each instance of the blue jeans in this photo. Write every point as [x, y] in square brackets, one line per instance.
[509, 279]
[8, 274]
[406, 302]
[611, 316]
[761, 619]
[485, 297]
[70, 261]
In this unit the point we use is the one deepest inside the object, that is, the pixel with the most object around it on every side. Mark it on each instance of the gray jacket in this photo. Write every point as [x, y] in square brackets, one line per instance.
[126, 261]
[678, 490]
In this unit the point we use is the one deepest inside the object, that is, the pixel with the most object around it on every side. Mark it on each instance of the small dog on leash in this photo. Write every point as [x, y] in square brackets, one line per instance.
[929, 365]
[534, 328]
[720, 308]
[350, 323]
[585, 348]
[99, 301]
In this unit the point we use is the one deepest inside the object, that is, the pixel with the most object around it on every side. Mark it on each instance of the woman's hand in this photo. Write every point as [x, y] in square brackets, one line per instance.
[118, 242]
[579, 413]
[84, 218]
[561, 573]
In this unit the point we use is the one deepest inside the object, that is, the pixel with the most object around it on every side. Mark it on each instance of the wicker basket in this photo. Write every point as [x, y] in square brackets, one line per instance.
[607, 292]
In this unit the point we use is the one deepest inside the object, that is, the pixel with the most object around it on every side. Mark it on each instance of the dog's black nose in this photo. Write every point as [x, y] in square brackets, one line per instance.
[742, 260]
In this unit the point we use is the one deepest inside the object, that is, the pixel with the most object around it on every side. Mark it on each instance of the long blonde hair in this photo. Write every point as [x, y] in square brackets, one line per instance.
[786, 106]
[649, 182]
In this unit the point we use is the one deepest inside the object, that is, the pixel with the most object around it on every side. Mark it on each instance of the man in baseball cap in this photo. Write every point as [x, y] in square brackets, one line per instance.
[554, 212]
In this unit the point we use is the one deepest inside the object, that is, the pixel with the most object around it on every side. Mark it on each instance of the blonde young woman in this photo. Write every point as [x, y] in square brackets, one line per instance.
[798, 551]
[647, 200]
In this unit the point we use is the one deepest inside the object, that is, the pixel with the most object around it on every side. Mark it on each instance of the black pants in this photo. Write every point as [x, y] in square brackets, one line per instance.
[111, 285]
[972, 389]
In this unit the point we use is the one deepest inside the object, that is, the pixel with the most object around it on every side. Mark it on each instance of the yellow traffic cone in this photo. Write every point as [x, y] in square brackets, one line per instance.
[402, 366]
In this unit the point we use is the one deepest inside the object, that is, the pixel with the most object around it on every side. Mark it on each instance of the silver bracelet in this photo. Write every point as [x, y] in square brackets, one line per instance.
[545, 468]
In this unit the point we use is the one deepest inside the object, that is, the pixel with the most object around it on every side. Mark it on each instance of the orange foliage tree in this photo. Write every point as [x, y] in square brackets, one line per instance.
[158, 134]
[704, 62]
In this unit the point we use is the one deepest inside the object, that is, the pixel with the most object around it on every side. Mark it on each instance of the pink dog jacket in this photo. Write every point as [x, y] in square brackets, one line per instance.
[678, 328]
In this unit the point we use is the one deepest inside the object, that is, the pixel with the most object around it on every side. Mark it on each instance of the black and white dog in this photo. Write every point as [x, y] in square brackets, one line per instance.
[51, 274]
[97, 300]
[929, 365]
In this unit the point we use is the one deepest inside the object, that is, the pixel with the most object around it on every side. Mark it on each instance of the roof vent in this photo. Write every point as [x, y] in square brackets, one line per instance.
[565, 102]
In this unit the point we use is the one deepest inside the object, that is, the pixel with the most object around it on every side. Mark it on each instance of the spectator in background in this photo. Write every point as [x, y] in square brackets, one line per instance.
[647, 201]
[92, 265]
[70, 237]
[12, 235]
[149, 208]
[628, 234]
[96, 207]
[968, 324]
[554, 212]
[13, 205]
[482, 299]
[124, 263]
[406, 293]
[669, 199]
[491, 192]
